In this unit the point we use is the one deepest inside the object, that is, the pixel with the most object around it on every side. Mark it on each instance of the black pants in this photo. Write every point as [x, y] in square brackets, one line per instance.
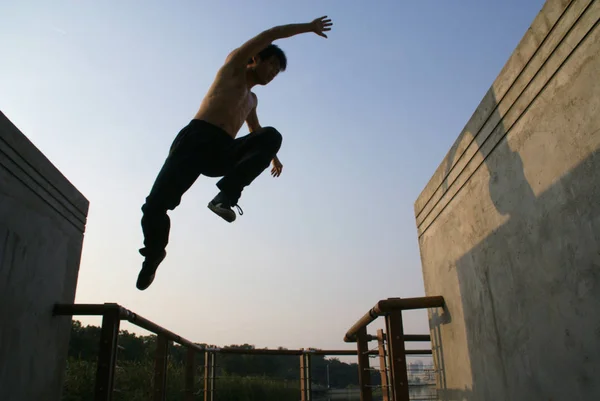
[203, 148]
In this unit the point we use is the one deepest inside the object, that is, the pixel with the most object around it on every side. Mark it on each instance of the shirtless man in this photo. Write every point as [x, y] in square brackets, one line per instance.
[208, 144]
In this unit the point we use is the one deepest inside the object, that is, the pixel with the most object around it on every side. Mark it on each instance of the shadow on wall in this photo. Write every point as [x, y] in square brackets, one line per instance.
[531, 289]
[531, 292]
[436, 322]
[511, 195]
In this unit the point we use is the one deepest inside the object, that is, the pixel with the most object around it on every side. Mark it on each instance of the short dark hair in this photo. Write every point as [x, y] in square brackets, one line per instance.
[274, 50]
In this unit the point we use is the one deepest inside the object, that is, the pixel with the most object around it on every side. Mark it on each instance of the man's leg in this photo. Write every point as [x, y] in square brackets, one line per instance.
[180, 170]
[252, 154]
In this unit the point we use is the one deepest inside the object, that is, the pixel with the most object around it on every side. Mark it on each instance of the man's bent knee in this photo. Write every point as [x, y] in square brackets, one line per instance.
[273, 137]
[154, 207]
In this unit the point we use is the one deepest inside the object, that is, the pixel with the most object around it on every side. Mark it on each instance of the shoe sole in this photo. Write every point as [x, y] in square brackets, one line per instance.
[144, 282]
[224, 215]
[148, 273]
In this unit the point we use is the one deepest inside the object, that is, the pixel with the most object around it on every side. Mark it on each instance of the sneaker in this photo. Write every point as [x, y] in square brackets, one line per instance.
[221, 205]
[146, 276]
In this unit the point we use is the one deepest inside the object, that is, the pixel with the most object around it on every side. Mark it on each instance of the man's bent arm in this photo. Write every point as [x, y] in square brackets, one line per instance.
[253, 46]
[254, 125]
[252, 121]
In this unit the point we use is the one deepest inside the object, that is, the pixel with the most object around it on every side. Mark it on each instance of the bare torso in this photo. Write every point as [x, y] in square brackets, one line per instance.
[228, 101]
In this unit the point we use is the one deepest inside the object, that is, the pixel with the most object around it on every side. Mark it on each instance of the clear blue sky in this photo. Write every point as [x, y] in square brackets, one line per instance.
[367, 115]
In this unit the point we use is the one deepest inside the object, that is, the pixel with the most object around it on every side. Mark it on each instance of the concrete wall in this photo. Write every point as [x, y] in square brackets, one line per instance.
[42, 220]
[509, 224]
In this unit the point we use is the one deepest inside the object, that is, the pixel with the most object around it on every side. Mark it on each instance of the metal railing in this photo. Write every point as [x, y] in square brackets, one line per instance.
[390, 345]
[112, 315]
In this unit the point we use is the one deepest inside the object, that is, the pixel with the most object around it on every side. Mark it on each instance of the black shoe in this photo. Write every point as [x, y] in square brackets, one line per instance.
[146, 276]
[221, 205]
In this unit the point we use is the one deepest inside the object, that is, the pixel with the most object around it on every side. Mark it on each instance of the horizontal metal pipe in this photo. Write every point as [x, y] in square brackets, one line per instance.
[418, 352]
[259, 351]
[155, 328]
[364, 321]
[417, 337]
[140, 321]
[407, 337]
[392, 304]
[81, 309]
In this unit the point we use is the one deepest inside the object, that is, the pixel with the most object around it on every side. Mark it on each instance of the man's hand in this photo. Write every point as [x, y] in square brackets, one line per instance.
[321, 25]
[242, 54]
[277, 167]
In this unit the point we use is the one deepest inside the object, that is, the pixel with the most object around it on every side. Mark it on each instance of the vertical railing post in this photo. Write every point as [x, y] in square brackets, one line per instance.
[308, 377]
[189, 374]
[397, 356]
[303, 395]
[213, 375]
[107, 353]
[160, 368]
[383, 368]
[209, 375]
[364, 371]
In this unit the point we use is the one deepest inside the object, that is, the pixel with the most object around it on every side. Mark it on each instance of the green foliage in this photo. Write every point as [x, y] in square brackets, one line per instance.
[256, 389]
[238, 377]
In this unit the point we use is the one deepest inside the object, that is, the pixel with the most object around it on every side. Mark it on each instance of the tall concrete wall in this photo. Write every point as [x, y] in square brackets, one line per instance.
[509, 224]
[42, 221]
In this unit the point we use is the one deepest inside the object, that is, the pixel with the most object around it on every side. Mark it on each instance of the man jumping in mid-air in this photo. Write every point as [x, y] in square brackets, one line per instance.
[208, 144]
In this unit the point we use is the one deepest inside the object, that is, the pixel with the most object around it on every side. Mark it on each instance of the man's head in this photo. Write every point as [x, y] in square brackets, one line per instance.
[268, 63]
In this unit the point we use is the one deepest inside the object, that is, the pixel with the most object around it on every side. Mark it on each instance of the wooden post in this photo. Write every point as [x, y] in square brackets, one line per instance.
[160, 368]
[364, 373]
[189, 374]
[107, 355]
[397, 356]
[209, 375]
[383, 369]
[305, 379]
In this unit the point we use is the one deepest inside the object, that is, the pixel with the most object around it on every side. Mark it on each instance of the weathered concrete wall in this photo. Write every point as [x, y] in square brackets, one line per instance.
[42, 220]
[509, 225]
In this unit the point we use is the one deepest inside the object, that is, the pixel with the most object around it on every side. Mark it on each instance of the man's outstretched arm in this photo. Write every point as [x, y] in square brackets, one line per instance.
[253, 46]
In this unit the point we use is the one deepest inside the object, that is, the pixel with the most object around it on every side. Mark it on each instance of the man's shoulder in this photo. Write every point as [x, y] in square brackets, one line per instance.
[232, 67]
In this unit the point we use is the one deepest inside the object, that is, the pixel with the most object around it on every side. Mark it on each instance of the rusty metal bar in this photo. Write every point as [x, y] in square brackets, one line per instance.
[417, 352]
[302, 379]
[396, 352]
[255, 351]
[308, 377]
[189, 374]
[213, 377]
[338, 352]
[383, 372]
[107, 354]
[389, 305]
[407, 337]
[364, 374]
[125, 314]
[160, 368]
[304, 393]
[209, 375]
[302, 352]
[155, 328]
[81, 309]
[206, 375]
